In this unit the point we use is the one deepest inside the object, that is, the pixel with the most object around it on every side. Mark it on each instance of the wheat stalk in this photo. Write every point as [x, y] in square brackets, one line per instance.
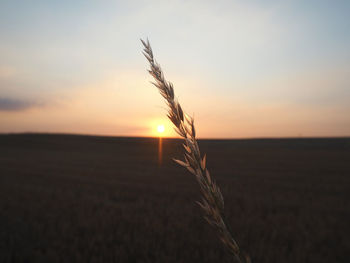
[212, 199]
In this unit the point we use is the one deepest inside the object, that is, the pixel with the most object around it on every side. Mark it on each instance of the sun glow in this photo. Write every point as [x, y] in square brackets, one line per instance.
[160, 128]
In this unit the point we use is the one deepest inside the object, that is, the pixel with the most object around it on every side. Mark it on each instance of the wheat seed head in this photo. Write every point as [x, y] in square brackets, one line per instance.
[212, 200]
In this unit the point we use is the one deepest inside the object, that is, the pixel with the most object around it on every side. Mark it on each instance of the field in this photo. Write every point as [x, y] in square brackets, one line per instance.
[69, 198]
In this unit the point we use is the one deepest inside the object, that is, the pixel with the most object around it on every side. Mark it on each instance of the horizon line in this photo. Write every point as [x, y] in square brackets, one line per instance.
[175, 138]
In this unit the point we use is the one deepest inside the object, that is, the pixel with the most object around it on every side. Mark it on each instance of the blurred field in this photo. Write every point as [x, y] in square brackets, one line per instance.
[66, 198]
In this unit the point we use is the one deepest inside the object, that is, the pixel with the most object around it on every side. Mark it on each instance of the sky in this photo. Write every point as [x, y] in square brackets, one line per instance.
[243, 69]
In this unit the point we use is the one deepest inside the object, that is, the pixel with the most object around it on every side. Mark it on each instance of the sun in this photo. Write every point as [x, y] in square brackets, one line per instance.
[160, 128]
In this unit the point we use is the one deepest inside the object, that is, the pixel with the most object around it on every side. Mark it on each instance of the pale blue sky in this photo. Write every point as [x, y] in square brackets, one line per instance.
[244, 68]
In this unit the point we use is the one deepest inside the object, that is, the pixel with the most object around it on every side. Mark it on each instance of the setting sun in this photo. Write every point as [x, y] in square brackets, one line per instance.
[160, 128]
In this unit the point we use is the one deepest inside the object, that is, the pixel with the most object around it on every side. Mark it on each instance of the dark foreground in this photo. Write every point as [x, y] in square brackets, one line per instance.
[84, 199]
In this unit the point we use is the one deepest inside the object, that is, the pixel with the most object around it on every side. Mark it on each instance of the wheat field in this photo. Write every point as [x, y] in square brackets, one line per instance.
[68, 198]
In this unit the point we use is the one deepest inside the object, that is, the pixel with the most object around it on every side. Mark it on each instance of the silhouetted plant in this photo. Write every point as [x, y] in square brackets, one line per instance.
[212, 200]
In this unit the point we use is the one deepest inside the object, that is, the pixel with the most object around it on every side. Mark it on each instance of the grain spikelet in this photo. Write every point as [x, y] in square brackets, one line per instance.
[212, 203]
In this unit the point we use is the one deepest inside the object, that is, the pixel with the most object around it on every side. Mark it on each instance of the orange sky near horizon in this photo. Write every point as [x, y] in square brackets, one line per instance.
[131, 115]
[104, 108]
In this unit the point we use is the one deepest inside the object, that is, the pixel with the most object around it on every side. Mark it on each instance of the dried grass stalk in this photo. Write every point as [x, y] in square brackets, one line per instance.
[212, 200]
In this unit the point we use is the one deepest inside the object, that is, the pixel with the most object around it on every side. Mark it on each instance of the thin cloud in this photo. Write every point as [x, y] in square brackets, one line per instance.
[8, 104]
